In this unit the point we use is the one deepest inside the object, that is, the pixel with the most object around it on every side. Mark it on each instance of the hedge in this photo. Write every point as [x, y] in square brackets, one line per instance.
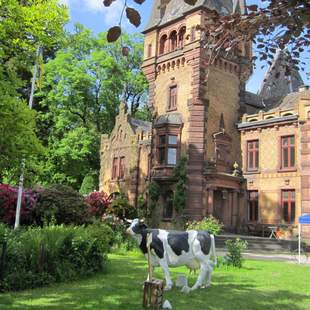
[39, 256]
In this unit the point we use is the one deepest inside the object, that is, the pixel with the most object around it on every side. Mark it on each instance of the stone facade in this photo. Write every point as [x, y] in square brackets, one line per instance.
[279, 175]
[124, 157]
[202, 111]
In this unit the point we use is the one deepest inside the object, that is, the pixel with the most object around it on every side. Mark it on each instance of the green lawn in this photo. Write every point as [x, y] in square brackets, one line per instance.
[259, 285]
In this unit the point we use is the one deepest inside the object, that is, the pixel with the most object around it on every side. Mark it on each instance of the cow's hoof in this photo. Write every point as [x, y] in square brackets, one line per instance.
[185, 289]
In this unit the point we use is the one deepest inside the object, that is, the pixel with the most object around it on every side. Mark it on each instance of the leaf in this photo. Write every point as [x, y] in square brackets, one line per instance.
[107, 2]
[139, 1]
[253, 7]
[114, 33]
[125, 50]
[133, 16]
[260, 45]
[190, 2]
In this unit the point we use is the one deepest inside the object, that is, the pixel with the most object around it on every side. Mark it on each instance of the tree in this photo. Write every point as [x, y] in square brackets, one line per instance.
[79, 100]
[283, 24]
[24, 26]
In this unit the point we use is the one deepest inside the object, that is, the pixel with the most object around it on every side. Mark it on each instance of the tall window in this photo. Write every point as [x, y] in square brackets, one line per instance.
[287, 152]
[168, 205]
[288, 205]
[114, 168]
[172, 104]
[167, 149]
[122, 167]
[173, 41]
[253, 155]
[181, 36]
[162, 44]
[149, 50]
[253, 206]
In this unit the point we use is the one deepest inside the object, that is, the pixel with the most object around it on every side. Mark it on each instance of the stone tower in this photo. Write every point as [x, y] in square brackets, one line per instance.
[196, 107]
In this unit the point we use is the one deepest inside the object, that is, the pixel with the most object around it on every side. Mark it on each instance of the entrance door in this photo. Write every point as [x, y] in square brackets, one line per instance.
[221, 207]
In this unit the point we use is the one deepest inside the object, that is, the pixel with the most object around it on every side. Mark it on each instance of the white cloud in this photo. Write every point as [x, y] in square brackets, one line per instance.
[111, 15]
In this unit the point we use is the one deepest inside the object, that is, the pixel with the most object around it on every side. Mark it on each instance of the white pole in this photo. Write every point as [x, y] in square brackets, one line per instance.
[21, 178]
[299, 242]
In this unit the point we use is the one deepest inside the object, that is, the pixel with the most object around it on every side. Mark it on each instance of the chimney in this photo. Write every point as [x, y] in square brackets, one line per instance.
[303, 88]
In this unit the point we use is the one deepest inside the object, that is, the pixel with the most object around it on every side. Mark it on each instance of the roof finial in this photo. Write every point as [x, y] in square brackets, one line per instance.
[222, 123]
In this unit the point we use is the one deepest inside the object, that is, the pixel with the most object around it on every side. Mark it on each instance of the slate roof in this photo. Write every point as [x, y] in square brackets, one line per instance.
[276, 84]
[138, 123]
[173, 9]
[170, 118]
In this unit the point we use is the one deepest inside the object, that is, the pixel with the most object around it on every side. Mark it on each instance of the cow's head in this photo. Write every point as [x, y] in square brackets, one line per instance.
[136, 227]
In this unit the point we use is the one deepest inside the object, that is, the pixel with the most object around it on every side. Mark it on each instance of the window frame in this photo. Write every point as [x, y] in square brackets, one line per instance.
[288, 147]
[289, 201]
[165, 147]
[250, 206]
[122, 168]
[255, 152]
[172, 97]
[115, 167]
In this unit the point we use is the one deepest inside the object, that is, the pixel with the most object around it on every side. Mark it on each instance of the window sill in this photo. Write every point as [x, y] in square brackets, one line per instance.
[287, 169]
[171, 110]
[252, 172]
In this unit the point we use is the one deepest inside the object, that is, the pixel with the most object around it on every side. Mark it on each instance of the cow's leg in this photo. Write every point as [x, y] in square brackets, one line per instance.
[148, 274]
[163, 264]
[208, 276]
[202, 276]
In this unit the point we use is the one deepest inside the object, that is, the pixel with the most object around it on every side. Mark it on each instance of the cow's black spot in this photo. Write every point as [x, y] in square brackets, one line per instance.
[178, 242]
[139, 228]
[156, 244]
[205, 241]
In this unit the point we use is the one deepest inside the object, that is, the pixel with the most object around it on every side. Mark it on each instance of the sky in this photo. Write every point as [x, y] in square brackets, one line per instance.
[94, 15]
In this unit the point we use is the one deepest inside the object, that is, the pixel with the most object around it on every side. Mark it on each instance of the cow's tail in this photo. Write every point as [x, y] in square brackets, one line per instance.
[213, 252]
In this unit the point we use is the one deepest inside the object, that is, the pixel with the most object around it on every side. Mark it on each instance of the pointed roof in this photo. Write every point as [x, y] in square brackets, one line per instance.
[276, 84]
[165, 11]
[239, 6]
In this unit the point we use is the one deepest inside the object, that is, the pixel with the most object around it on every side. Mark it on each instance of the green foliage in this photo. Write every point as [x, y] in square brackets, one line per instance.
[39, 256]
[154, 193]
[210, 223]
[180, 174]
[235, 248]
[79, 101]
[88, 185]
[24, 26]
[121, 208]
[61, 204]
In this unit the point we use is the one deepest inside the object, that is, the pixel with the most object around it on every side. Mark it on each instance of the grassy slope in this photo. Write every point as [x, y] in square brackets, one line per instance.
[260, 285]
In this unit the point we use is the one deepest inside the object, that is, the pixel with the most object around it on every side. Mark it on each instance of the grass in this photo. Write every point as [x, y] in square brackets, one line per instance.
[259, 285]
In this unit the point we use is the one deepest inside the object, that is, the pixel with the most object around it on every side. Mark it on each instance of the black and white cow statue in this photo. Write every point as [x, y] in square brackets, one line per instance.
[191, 248]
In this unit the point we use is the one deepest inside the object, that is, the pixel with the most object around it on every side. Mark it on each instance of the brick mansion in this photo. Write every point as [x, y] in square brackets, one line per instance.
[248, 155]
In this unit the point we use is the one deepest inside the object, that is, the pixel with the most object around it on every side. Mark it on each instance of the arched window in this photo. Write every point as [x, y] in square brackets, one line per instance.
[162, 44]
[173, 41]
[181, 36]
[253, 120]
[269, 117]
[288, 114]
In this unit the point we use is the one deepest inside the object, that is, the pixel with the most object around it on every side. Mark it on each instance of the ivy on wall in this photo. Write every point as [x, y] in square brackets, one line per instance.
[154, 192]
[180, 175]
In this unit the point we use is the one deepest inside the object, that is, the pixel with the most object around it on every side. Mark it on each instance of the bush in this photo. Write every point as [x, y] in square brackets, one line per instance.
[98, 203]
[120, 238]
[211, 224]
[60, 204]
[235, 248]
[8, 200]
[88, 185]
[121, 208]
[40, 256]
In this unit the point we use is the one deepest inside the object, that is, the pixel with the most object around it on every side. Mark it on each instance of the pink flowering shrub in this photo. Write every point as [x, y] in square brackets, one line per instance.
[8, 200]
[98, 202]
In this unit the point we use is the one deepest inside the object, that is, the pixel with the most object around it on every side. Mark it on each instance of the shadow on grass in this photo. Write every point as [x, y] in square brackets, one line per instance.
[121, 288]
